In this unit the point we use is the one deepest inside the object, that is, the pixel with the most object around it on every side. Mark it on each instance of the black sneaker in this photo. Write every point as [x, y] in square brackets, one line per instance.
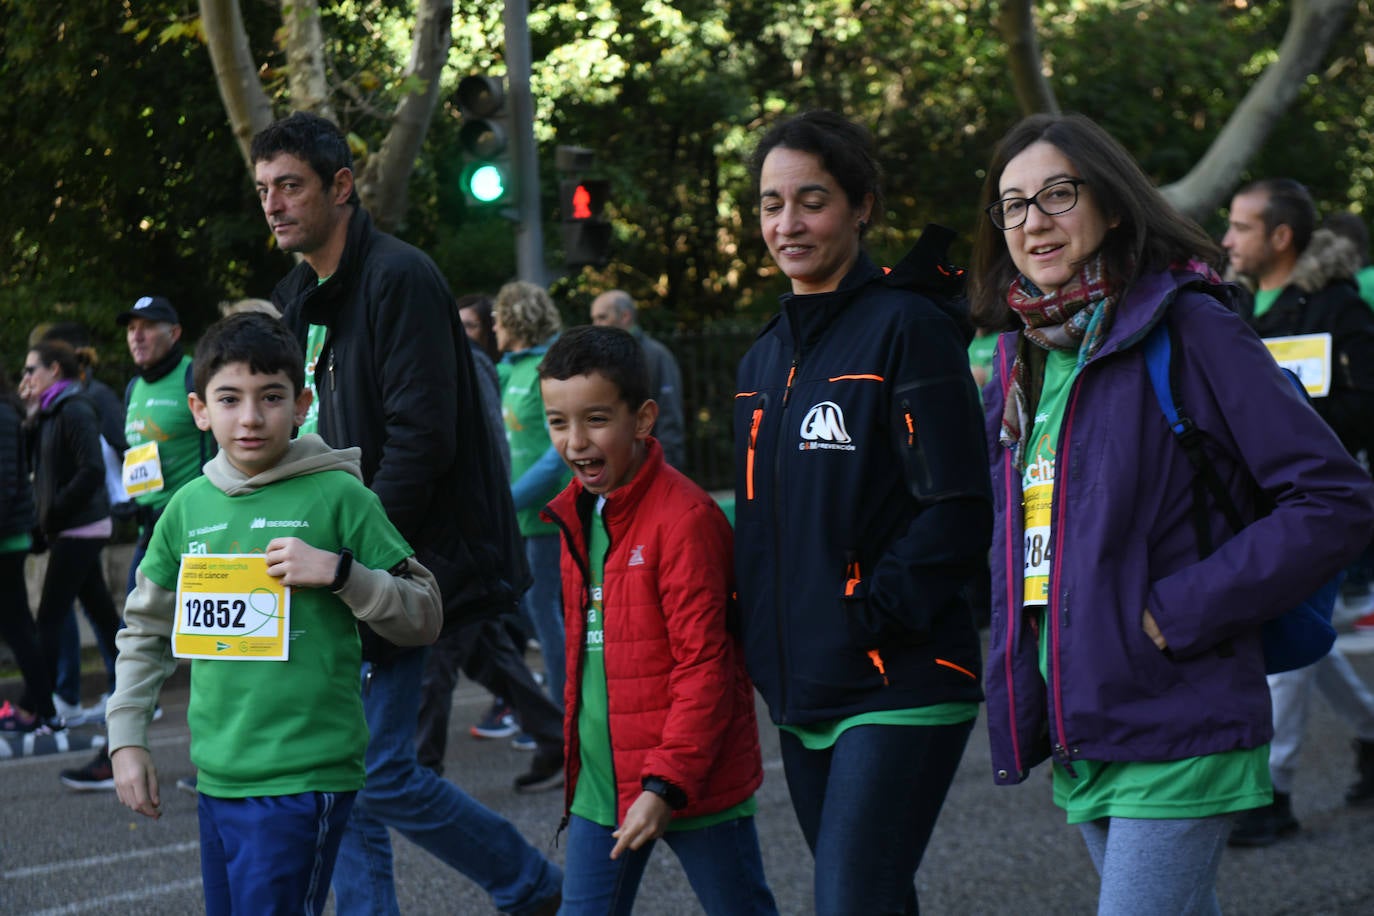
[545, 773]
[1265, 826]
[96, 776]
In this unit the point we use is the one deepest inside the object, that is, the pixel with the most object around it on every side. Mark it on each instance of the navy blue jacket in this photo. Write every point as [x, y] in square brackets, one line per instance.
[863, 509]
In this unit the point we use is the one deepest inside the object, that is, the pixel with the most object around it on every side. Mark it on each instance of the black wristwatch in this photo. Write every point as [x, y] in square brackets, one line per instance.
[675, 797]
[342, 570]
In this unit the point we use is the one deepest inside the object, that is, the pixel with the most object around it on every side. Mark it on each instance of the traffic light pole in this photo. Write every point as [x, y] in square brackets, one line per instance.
[529, 233]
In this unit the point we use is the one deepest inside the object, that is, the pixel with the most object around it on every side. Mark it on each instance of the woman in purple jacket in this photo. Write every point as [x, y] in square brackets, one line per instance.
[1114, 649]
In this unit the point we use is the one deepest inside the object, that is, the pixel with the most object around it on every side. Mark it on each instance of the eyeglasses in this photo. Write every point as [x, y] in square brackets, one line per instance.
[1051, 200]
[30, 370]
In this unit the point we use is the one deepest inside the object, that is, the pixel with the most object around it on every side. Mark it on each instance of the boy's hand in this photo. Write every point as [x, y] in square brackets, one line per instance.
[136, 780]
[646, 820]
[299, 565]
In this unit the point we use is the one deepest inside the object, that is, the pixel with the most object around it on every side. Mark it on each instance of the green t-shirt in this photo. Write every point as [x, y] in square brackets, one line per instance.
[527, 433]
[1265, 299]
[314, 345]
[981, 350]
[270, 727]
[595, 796]
[158, 412]
[1168, 789]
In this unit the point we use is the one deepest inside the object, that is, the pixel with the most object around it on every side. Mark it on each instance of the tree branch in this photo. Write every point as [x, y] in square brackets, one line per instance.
[1311, 30]
[384, 179]
[236, 73]
[305, 78]
[1016, 23]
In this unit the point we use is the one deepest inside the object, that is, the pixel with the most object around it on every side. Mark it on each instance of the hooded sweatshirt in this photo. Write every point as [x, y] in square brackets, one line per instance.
[273, 727]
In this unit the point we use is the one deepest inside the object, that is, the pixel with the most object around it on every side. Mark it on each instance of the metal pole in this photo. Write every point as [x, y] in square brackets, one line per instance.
[529, 228]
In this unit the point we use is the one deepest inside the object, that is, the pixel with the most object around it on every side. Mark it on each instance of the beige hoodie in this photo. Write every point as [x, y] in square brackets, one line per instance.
[404, 608]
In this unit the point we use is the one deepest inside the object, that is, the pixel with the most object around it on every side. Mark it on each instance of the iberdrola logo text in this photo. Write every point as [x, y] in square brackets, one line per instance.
[278, 523]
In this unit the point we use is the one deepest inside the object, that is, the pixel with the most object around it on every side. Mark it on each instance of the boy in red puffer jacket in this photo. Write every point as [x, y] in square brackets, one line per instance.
[659, 723]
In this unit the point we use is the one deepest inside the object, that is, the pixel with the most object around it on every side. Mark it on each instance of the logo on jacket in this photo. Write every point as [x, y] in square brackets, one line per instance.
[278, 523]
[823, 427]
[636, 556]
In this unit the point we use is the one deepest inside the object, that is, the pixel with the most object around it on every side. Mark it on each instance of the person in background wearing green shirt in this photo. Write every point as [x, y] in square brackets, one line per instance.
[662, 739]
[278, 735]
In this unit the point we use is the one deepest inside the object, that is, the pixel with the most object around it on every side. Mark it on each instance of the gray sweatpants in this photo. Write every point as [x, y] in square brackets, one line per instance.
[1149, 867]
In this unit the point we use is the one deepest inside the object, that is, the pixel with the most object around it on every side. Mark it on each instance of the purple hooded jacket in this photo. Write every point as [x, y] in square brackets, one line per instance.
[1123, 541]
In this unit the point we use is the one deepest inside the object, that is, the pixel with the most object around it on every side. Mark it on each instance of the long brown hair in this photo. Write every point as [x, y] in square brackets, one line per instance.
[1150, 233]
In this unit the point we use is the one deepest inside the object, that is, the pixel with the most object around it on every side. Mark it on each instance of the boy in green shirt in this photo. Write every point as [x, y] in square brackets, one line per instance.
[257, 571]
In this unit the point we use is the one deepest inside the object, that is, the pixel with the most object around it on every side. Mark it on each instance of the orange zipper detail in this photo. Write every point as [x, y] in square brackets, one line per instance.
[960, 668]
[856, 378]
[877, 661]
[910, 429]
[749, 461]
[852, 579]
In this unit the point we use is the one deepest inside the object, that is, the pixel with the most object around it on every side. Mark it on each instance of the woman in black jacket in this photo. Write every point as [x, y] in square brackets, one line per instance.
[35, 711]
[69, 485]
[862, 516]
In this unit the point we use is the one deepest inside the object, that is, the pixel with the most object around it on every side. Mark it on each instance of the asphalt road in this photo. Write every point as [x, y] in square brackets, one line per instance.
[995, 850]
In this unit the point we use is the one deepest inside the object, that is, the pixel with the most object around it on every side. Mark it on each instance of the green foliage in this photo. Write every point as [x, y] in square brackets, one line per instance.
[123, 178]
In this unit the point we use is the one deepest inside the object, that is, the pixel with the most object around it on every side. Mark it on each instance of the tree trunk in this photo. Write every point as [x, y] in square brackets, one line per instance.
[236, 73]
[1311, 30]
[1016, 23]
[305, 76]
[384, 175]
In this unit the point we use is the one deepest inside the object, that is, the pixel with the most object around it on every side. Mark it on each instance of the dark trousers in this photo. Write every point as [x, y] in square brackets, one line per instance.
[16, 626]
[74, 571]
[485, 652]
[867, 806]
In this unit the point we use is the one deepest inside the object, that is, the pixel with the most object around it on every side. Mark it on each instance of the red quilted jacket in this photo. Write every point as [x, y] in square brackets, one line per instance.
[681, 704]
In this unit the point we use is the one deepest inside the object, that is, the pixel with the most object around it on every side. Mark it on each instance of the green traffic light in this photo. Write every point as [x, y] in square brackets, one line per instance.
[486, 184]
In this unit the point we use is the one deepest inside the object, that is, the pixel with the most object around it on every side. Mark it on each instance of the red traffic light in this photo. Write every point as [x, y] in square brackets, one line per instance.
[583, 200]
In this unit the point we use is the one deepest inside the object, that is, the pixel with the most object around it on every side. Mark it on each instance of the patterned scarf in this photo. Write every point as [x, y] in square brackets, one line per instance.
[1074, 317]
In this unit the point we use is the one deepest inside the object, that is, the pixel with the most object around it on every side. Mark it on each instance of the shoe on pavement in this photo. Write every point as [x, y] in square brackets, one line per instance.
[523, 742]
[1365, 624]
[1265, 826]
[549, 907]
[14, 721]
[545, 773]
[72, 712]
[1361, 794]
[498, 722]
[96, 776]
[187, 784]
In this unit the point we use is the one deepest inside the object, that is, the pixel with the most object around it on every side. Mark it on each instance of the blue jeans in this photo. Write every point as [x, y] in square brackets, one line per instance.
[271, 854]
[1157, 866]
[543, 608]
[430, 811]
[867, 806]
[722, 862]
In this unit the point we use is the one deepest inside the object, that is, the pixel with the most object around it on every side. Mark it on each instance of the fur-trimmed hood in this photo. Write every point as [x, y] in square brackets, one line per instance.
[1328, 257]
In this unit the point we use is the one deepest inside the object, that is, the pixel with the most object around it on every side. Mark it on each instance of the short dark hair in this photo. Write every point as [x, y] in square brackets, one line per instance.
[317, 140]
[846, 150]
[1350, 226]
[1150, 235]
[612, 352]
[256, 339]
[1288, 204]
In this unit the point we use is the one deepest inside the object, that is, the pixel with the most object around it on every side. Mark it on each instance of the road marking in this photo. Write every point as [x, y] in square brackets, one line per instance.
[101, 903]
[172, 740]
[54, 867]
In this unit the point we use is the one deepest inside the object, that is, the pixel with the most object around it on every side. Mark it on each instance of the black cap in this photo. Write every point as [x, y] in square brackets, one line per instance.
[153, 308]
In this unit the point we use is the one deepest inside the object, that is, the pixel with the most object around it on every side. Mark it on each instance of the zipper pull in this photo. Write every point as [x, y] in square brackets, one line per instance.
[332, 385]
[791, 374]
[910, 424]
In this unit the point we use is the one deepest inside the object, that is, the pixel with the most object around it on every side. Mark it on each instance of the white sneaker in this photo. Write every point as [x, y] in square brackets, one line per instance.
[68, 711]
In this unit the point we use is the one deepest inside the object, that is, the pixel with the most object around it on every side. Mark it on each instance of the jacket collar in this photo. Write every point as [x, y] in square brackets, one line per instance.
[162, 367]
[621, 504]
[1146, 302]
[320, 300]
[810, 315]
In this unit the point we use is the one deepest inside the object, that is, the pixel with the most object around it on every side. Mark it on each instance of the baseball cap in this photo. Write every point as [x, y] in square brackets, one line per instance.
[153, 308]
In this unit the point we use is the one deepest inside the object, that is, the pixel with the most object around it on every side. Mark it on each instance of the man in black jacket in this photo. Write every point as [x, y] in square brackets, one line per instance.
[1303, 281]
[388, 359]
